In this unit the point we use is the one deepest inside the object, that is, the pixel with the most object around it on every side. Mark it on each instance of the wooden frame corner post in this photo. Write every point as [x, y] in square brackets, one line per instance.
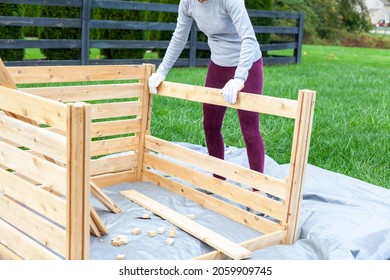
[78, 176]
[299, 158]
[145, 118]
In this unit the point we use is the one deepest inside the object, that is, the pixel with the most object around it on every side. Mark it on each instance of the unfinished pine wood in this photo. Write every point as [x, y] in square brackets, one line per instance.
[113, 164]
[225, 189]
[36, 108]
[204, 234]
[99, 129]
[299, 157]
[34, 197]
[115, 145]
[232, 171]
[39, 228]
[37, 139]
[257, 243]
[23, 246]
[104, 199]
[116, 109]
[5, 78]
[61, 74]
[251, 102]
[100, 226]
[34, 167]
[224, 208]
[108, 180]
[146, 115]
[7, 254]
[94, 229]
[78, 188]
[87, 92]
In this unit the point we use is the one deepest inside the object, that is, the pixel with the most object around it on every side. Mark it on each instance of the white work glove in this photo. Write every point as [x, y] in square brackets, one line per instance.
[231, 88]
[154, 81]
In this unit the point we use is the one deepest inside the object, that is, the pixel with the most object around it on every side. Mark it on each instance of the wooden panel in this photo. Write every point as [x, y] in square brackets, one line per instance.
[251, 102]
[41, 170]
[208, 182]
[54, 74]
[36, 108]
[35, 138]
[108, 180]
[112, 110]
[34, 197]
[36, 226]
[113, 164]
[99, 129]
[116, 145]
[22, 245]
[228, 210]
[234, 172]
[7, 254]
[87, 92]
[206, 235]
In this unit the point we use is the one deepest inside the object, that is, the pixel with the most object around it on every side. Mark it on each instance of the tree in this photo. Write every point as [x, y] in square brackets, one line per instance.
[60, 32]
[11, 32]
[354, 15]
[260, 5]
[118, 34]
[325, 20]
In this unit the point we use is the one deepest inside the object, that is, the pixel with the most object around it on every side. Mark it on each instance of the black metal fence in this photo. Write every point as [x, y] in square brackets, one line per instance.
[292, 27]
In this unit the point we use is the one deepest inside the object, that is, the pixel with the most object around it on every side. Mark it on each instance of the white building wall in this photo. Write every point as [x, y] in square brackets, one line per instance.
[378, 9]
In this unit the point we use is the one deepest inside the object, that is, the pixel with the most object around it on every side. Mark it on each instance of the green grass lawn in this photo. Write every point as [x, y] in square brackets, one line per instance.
[351, 129]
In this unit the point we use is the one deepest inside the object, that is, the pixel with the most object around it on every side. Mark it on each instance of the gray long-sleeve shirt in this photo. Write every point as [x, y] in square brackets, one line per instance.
[230, 34]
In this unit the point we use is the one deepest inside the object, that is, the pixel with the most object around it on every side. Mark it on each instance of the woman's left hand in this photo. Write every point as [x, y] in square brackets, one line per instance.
[231, 88]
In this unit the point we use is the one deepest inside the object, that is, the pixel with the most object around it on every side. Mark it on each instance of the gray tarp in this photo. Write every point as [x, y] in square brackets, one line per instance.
[341, 218]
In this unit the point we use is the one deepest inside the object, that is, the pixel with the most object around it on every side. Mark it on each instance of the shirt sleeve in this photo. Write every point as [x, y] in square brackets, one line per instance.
[178, 40]
[239, 15]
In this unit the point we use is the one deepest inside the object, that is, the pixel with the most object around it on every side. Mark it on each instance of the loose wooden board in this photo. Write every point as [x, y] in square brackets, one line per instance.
[226, 246]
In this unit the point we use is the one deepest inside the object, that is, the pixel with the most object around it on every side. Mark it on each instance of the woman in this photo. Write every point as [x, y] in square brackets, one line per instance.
[236, 64]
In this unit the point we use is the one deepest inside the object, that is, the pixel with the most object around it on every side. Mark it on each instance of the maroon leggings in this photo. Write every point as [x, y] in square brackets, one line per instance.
[213, 115]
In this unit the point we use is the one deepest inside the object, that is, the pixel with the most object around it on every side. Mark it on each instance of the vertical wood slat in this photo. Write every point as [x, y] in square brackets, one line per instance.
[298, 161]
[78, 189]
[145, 117]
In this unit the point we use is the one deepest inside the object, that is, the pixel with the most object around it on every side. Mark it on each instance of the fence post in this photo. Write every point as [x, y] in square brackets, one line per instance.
[85, 31]
[298, 50]
[193, 40]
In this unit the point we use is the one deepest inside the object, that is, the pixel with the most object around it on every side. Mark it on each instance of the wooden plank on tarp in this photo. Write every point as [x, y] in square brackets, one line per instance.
[199, 231]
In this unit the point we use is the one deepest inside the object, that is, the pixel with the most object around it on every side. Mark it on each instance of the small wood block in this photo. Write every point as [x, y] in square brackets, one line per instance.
[120, 257]
[160, 230]
[136, 231]
[169, 241]
[119, 241]
[152, 233]
[172, 232]
[146, 216]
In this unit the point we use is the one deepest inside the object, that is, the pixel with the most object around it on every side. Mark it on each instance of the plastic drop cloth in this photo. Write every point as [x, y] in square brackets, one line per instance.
[341, 218]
